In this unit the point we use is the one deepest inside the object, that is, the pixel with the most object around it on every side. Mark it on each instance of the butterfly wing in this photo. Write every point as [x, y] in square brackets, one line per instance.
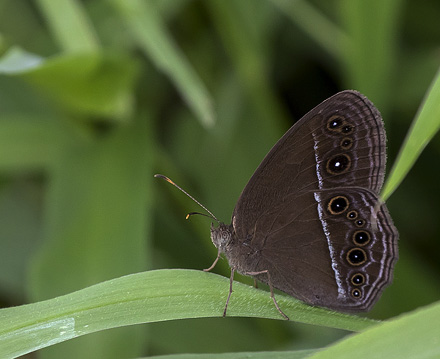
[288, 219]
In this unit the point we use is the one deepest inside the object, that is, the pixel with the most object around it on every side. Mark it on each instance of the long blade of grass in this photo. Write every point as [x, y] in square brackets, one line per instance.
[425, 125]
[309, 19]
[413, 335]
[297, 354]
[147, 26]
[70, 25]
[370, 53]
[148, 297]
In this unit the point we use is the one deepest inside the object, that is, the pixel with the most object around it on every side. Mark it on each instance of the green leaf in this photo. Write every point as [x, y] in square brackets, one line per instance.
[92, 84]
[17, 61]
[298, 354]
[33, 141]
[148, 297]
[370, 50]
[97, 222]
[241, 26]
[70, 25]
[413, 335]
[19, 241]
[315, 24]
[425, 125]
[147, 26]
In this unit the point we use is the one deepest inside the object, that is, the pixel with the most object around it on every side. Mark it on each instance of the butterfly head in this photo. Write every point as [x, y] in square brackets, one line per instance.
[221, 236]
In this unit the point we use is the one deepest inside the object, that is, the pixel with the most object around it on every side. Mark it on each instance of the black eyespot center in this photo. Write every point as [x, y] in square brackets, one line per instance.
[339, 164]
[347, 129]
[356, 257]
[357, 279]
[346, 143]
[352, 215]
[338, 205]
[360, 223]
[356, 293]
[361, 238]
[335, 122]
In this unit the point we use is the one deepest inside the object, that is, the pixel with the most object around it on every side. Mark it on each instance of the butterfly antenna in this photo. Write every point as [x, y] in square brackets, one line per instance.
[181, 189]
[200, 214]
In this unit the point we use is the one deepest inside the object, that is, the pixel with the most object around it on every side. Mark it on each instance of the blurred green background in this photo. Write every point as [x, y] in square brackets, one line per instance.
[97, 96]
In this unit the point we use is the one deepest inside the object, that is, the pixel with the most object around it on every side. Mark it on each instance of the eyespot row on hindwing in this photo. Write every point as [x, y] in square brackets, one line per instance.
[357, 254]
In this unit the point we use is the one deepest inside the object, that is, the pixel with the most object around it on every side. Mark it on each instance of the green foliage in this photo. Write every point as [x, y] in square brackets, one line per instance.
[423, 129]
[97, 96]
[144, 298]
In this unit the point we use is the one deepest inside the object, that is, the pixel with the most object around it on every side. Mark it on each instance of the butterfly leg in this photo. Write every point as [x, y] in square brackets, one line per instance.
[269, 282]
[231, 280]
[215, 262]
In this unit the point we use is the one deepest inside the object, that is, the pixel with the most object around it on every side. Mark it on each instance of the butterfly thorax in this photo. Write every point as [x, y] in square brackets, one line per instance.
[239, 254]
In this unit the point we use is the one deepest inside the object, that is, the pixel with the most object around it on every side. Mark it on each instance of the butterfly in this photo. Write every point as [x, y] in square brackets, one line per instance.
[310, 221]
